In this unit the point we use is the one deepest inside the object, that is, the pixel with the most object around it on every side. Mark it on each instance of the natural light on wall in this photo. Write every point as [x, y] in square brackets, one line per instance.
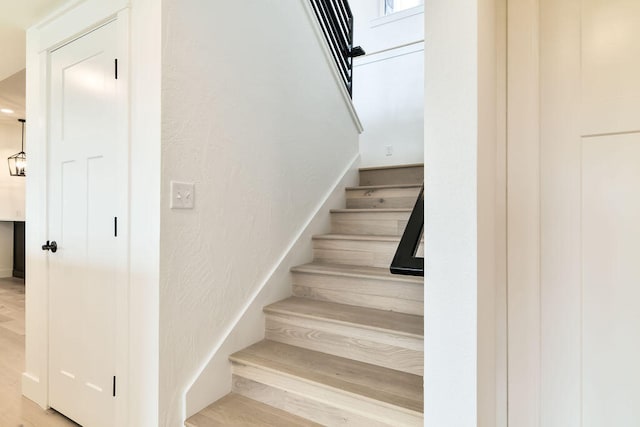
[391, 6]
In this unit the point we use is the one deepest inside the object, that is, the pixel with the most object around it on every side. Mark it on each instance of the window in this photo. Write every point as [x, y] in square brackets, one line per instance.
[391, 6]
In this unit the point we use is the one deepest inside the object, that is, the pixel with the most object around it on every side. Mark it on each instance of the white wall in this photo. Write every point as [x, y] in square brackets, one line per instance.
[464, 222]
[388, 83]
[451, 279]
[11, 194]
[11, 188]
[144, 232]
[252, 115]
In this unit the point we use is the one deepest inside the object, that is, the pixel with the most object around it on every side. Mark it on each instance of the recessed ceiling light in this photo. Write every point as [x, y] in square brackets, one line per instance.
[6, 110]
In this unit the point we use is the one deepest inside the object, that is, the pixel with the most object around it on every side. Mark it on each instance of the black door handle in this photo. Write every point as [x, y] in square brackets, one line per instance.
[53, 246]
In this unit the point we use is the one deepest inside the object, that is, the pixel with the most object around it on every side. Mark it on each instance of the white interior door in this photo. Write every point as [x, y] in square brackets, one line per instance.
[84, 176]
[590, 213]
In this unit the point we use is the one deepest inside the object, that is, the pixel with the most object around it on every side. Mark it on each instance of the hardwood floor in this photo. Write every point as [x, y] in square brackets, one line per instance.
[16, 410]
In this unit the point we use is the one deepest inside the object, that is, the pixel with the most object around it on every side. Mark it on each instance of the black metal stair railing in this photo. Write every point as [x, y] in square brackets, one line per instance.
[405, 260]
[336, 21]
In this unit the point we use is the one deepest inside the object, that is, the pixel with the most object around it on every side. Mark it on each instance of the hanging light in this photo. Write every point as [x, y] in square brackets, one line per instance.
[18, 162]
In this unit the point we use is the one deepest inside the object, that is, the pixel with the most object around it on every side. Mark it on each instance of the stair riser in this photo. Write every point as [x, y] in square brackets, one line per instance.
[325, 406]
[370, 301]
[384, 349]
[391, 295]
[369, 223]
[355, 252]
[382, 198]
[393, 287]
[405, 175]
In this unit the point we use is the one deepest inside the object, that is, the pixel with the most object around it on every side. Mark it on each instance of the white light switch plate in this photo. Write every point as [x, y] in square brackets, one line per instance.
[182, 195]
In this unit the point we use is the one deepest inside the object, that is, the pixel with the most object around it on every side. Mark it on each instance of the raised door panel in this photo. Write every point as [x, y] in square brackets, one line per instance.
[610, 52]
[611, 281]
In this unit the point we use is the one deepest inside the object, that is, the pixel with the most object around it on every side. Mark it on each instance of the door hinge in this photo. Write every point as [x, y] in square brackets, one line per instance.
[114, 386]
[116, 67]
[115, 226]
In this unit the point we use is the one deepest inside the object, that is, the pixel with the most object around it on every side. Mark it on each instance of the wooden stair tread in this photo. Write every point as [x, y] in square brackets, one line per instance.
[370, 382]
[368, 318]
[410, 165]
[358, 271]
[237, 410]
[383, 187]
[372, 210]
[361, 237]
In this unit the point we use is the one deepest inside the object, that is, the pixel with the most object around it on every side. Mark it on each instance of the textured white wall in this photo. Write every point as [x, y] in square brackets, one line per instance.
[389, 85]
[253, 116]
[451, 220]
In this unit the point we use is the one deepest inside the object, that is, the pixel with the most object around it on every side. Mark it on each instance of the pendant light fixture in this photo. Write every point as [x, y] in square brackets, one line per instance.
[18, 162]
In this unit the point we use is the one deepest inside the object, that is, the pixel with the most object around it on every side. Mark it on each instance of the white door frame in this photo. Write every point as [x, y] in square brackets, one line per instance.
[69, 23]
[523, 213]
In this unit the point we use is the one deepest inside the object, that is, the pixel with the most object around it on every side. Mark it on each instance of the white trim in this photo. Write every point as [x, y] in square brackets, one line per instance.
[523, 214]
[501, 332]
[392, 52]
[6, 272]
[334, 68]
[31, 387]
[396, 16]
[36, 290]
[72, 20]
[123, 23]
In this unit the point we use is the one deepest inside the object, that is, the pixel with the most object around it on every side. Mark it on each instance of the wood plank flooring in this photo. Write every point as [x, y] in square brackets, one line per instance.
[16, 410]
[237, 410]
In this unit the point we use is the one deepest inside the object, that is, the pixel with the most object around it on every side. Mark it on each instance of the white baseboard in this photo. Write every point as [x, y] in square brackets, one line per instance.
[214, 380]
[34, 390]
[6, 272]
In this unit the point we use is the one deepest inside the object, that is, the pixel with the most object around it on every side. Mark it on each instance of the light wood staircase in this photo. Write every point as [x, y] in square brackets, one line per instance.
[347, 347]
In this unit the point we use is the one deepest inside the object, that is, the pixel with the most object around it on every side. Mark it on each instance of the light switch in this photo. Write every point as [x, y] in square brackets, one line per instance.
[182, 195]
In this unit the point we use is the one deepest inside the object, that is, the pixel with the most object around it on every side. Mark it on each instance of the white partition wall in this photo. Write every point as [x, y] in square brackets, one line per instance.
[388, 88]
[261, 127]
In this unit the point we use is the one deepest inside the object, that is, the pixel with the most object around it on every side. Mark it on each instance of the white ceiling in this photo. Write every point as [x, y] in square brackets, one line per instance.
[15, 17]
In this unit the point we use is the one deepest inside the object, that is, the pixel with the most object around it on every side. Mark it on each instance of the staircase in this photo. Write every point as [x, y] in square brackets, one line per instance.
[347, 347]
